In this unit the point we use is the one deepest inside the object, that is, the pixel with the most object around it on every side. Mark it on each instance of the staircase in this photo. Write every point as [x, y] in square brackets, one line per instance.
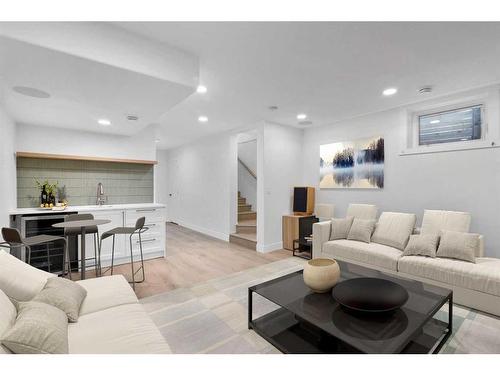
[246, 229]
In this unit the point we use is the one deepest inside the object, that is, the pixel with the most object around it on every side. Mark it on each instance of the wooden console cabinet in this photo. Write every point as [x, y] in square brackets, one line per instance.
[290, 229]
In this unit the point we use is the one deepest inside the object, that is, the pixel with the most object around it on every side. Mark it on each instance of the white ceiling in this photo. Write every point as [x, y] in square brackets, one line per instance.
[331, 71]
[83, 89]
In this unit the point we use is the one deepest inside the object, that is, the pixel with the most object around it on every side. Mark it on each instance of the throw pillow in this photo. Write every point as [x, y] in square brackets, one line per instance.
[458, 245]
[340, 228]
[422, 244]
[361, 230]
[39, 329]
[19, 280]
[394, 229]
[8, 315]
[64, 294]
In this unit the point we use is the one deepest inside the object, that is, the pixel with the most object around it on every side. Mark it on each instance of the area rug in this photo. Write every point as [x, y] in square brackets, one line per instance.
[212, 317]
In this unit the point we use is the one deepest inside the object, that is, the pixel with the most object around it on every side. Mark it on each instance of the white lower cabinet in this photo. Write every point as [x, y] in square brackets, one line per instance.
[116, 218]
[153, 240]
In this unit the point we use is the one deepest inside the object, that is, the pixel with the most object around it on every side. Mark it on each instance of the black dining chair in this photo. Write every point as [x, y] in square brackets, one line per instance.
[138, 229]
[70, 232]
[13, 239]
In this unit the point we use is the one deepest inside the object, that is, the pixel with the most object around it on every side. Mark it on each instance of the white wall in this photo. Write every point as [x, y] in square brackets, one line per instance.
[161, 177]
[279, 162]
[7, 167]
[247, 152]
[247, 184]
[460, 180]
[33, 138]
[201, 177]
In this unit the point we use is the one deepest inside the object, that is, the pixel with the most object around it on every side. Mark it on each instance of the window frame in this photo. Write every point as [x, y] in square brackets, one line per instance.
[450, 108]
[489, 101]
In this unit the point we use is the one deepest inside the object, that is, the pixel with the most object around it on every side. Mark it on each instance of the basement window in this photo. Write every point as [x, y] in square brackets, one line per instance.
[455, 125]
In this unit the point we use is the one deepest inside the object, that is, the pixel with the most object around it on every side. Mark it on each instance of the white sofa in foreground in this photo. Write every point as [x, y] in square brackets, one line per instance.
[111, 321]
[475, 285]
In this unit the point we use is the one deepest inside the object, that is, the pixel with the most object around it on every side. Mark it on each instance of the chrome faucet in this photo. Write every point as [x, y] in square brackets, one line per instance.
[101, 199]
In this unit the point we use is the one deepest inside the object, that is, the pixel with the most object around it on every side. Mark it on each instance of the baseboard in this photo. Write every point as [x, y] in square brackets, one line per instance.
[208, 232]
[269, 247]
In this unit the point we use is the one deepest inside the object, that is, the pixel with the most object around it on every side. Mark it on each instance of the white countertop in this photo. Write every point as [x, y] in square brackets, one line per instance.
[104, 207]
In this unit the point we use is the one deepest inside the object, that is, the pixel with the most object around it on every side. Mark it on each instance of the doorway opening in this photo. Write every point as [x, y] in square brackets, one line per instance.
[246, 225]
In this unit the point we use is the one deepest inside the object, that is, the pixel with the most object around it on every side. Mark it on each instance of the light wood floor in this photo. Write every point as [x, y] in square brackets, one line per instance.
[193, 258]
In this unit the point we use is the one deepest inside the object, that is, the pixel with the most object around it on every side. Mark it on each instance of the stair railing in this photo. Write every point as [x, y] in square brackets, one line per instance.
[247, 168]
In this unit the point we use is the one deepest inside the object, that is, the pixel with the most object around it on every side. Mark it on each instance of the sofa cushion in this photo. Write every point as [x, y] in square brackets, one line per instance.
[434, 221]
[8, 315]
[422, 244]
[106, 292]
[458, 245]
[361, 230]
[362, 211]
[64, 294]
[368, 253]
[19, 280]
[394, 229]
[121, 329]
[340, 228]
[483, 276]
[39, 329]
[324, 211]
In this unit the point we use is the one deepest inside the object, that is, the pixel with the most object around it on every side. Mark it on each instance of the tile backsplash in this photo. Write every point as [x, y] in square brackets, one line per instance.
[78, 179]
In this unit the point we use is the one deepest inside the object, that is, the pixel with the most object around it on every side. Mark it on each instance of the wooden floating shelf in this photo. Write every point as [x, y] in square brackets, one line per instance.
[35, 155]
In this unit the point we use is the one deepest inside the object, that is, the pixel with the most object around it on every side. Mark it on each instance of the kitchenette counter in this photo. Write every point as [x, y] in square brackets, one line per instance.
[35, 221]
[104, 207]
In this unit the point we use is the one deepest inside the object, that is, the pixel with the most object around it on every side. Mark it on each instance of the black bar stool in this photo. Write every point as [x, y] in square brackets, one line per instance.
[137, 230]
[13, 238]
[68, 232]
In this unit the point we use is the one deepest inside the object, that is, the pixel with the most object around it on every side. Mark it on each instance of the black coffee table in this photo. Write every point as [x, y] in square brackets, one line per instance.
[306, 322]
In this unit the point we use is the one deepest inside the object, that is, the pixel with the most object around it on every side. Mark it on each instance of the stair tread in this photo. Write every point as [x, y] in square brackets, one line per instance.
[246, 236]
[247, 222]
[246, 225]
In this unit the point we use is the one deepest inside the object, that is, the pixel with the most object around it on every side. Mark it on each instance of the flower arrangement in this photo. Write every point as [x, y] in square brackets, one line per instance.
[48, 191]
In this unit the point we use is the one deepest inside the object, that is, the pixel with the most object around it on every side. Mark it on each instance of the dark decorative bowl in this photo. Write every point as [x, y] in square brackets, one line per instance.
[370, 295]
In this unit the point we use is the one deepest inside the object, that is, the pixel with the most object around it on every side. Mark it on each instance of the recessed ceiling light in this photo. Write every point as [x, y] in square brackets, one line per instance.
[435, 121]
[104, 122]
[203, 119]
[390, 91]
[157, 141]
[132, 117]
[201, 89]
[301, 116]
[425, 90]
[31, 91]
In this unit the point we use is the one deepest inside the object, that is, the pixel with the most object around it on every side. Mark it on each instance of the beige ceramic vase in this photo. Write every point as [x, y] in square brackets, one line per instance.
[321, 274]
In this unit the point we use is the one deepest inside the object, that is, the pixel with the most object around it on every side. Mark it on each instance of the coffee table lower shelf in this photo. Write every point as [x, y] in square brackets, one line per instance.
[290, 335]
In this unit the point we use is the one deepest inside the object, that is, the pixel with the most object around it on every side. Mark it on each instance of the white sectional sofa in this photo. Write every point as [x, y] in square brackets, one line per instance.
[475, 285]
[111, 321]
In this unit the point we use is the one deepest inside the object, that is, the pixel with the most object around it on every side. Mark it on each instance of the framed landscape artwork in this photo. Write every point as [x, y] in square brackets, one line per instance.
[356, 164]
